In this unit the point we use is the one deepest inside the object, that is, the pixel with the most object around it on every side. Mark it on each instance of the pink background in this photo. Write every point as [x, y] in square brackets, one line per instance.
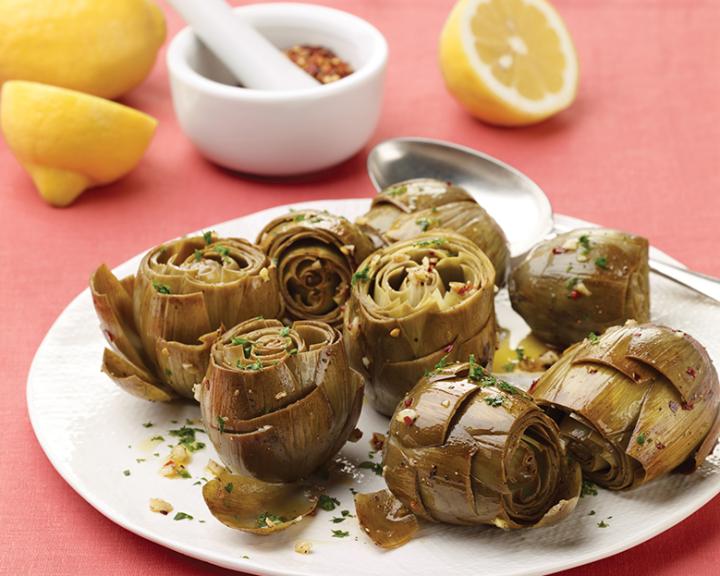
[639, 150]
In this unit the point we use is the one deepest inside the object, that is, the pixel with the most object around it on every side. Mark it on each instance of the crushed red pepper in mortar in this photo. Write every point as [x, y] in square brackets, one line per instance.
[320, 62]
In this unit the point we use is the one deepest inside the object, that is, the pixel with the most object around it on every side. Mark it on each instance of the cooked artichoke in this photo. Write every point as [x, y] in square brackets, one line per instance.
[417, 304]
[466, 218]
[405, 198]
[580, 282]
[467, 448]
[161, 323]
[316, 253]
[278, 402]
[634, 403]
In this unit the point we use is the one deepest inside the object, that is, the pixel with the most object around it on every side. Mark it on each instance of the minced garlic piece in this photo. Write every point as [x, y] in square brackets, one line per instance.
[407, 416]
[445, 403]
[570, 244]
[280, 395]
[180, 454]
[214, 468]
[395, 332]
[347, 249]
[303, 547]
[582, 289]
[160, 506]
[264, 274]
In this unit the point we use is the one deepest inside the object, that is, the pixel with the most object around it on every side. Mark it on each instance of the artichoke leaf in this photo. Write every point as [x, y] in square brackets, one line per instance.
[182, 366]
[257, 507]
[114, 308]
[384, 519]
[134, 380]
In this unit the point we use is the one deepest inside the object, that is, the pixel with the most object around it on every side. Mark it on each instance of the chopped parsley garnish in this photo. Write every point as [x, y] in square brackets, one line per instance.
[361, 276]
[591, 513]
[593, 338]
[222, 250]
[494, 401]
[161, 288]
[257, 365]
[602, 524]
[221, 424]
[198, 255]
[285, 331]
[396, 190]
[588, 489]
[157, 439]
[245, 343]
[207, 236]
[187, 438]
[327, 502]
[640, 439]
[292, 351]
[126, 472]
[601, 262]
[507, 387]
[374, 466]
[182, 516]
[266, 520]
[424, 223]
[139, 460]
[572, 282]
[147, 425]
[509, 367]
[183, 472]
[520, 353]
[434, 242]
[299, 218]
[340, 533]
[475, 372]
[229, 487]
[345, 514]
[584, 241]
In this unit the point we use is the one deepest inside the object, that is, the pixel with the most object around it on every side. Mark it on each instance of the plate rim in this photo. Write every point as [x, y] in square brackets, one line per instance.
[248, 565]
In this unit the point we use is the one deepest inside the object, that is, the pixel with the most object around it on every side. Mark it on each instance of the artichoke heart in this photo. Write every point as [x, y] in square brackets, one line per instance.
[636, 403]
[582, 281]
[316, 253]
[416, 305]
[407, 197]
[278, 401]
[466, 448]
[466, 218]
[161, 322]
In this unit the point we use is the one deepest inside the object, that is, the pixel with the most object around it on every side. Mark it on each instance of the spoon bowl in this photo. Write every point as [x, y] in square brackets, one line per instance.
[518, 205]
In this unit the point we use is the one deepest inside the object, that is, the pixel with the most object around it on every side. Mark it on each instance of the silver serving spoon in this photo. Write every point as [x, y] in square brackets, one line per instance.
[516, 202]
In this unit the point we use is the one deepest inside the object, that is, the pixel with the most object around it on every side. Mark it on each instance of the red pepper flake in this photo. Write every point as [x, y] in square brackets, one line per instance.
[687, 406]
[320, 62]
[109, 335]
[574, 295]
[558, 250]
[407, 402]
[377, 441]
[673, 406]
[533, 385]
[408, 420]
[448, 348]
[465, 289]
[691, 372]
[659, 445]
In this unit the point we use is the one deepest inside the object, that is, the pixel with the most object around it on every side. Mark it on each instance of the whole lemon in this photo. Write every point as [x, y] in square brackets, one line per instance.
[102, 47]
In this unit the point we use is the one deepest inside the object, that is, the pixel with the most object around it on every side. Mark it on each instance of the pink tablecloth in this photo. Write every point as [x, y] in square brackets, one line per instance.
[640, 150]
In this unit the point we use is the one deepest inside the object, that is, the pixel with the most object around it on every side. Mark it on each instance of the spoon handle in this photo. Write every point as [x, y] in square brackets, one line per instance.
[706, 285]
[250, 57]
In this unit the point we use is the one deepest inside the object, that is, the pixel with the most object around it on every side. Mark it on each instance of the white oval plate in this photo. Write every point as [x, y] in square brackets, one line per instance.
[92, 432]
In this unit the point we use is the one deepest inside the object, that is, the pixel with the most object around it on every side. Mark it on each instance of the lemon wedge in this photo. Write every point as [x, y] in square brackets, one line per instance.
[509, 62]
[69, 141]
